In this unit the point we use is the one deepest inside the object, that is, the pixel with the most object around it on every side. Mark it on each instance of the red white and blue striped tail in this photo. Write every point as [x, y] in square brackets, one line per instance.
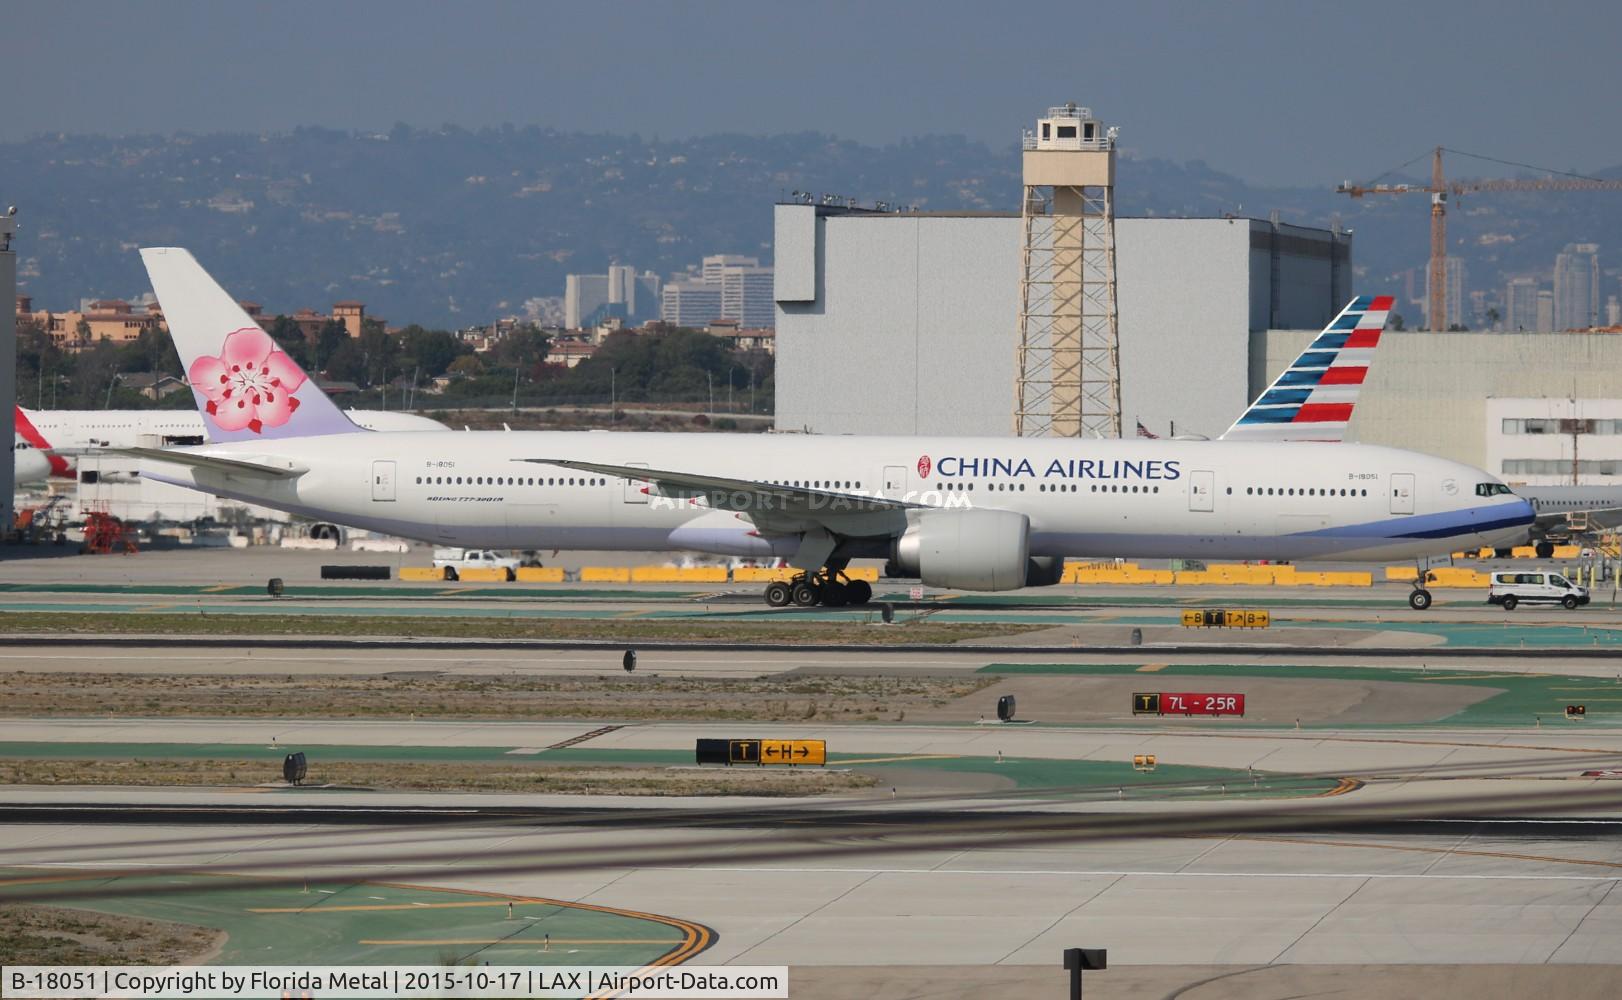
[1313, 399]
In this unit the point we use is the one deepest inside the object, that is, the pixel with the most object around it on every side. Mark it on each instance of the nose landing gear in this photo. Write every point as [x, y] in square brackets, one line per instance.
[1419, 598]
[828, 588]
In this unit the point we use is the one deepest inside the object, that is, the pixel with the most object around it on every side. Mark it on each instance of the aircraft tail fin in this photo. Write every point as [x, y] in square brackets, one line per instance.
[1314, 397]
[245, 386]
[24, 430]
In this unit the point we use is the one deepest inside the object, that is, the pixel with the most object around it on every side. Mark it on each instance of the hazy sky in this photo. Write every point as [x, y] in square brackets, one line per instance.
[1283, 92]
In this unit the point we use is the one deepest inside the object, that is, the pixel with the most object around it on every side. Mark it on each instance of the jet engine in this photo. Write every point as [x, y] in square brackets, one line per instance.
[966, 549]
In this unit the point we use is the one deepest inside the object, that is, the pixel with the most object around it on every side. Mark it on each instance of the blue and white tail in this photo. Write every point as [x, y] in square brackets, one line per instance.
[1313, 399]
[245, 386]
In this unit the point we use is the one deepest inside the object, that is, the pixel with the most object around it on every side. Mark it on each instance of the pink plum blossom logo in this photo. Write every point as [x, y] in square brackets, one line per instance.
[923, 467]
[250, 384]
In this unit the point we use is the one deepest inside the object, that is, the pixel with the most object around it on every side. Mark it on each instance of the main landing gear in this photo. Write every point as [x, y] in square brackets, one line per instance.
[829, 589]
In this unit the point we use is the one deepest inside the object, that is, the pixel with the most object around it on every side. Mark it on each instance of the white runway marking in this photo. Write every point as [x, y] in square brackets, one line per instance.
[1123, 873]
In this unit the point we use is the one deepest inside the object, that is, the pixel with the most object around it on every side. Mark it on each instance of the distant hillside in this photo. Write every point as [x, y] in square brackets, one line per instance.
[451, 227]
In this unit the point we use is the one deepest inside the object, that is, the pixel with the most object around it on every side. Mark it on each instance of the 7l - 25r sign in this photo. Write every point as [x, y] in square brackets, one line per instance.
[1187, 703]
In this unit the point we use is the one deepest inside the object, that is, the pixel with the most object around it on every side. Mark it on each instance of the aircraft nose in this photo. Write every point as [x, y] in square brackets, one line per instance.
[1513, 523]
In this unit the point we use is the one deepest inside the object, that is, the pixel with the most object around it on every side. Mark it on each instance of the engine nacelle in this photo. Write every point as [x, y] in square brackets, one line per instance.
[966, 549]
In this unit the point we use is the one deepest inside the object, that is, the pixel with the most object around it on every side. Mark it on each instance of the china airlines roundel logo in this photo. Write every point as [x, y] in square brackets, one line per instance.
[924, 466]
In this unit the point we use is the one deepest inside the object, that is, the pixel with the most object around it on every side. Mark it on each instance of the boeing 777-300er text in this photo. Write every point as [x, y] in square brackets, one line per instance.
[48, 442]
[981, 514]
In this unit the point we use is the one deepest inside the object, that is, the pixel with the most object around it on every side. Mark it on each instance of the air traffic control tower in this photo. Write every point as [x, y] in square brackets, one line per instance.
[8, 364]
[1068, 369]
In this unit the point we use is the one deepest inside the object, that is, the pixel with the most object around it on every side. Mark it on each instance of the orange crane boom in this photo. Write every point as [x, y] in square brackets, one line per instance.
[1439, 189]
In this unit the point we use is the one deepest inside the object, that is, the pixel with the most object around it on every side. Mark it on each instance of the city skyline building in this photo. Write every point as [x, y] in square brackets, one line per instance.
[622, 293]
[746, 296]
[690, 303]
[1520, 305]
[724, 286]
[1456, 272]
[1576, 287]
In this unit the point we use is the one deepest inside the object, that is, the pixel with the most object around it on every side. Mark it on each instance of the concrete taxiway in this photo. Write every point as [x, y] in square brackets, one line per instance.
[1189, 906]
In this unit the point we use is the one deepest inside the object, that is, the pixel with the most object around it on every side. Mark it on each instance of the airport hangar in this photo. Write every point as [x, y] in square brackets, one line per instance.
[908, 323]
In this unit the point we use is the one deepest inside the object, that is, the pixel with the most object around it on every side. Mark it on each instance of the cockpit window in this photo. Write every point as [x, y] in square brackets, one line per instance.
[1491, 489]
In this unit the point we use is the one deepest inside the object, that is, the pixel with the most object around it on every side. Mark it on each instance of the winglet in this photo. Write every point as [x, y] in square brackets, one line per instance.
[1314, 397]
[246, 388]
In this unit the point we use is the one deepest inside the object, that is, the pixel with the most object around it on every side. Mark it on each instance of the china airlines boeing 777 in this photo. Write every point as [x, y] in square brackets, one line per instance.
[966, 513]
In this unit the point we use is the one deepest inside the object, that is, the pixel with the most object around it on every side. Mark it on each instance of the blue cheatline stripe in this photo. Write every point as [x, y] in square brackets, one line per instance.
[1459, 529]
[1284, 397]
[1282, 415]
[1315, 359]
[1330, 342]
[1439, 525]
[1361, 303]
[1346, 322]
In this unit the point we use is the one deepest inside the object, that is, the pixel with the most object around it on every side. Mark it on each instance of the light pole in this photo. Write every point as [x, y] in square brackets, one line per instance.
[729, 387]
[516, 370]
[612, 389]
[709, 380]
[110, 383]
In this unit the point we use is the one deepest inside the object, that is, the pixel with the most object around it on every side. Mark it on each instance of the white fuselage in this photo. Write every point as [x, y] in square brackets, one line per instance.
[1130, 498]
[77, 430]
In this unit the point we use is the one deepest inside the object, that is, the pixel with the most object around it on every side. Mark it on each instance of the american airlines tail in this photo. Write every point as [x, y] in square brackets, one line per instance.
[245, 386]
[1314, 397]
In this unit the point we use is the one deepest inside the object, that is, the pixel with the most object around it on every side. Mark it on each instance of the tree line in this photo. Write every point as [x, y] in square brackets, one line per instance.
[420, 368]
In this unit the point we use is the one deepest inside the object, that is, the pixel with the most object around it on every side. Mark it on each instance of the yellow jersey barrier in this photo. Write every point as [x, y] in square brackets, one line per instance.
[539, 574]
[422, 573]
[484, 574]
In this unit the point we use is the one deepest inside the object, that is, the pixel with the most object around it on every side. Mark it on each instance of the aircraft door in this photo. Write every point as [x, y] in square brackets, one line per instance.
[895, 481]
[636, 489]
[1202, 490]
[383, 481]
[1402, 493]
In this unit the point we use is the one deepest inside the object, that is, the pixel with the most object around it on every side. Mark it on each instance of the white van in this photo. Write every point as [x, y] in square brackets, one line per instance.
[1512, 587]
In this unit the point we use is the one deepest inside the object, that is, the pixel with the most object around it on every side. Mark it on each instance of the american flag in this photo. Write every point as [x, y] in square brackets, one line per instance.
[1144, 432]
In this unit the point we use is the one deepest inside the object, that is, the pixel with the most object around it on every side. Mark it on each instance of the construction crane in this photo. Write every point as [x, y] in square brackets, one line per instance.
[1440, 188]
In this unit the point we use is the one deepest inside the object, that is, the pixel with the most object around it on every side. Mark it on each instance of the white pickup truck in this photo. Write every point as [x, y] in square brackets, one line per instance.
[457, 560]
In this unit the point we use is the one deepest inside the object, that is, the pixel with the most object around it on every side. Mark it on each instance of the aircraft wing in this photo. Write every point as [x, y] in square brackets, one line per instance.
[1606, 517]
[818, 517]
[744, 495]
[214, 463]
